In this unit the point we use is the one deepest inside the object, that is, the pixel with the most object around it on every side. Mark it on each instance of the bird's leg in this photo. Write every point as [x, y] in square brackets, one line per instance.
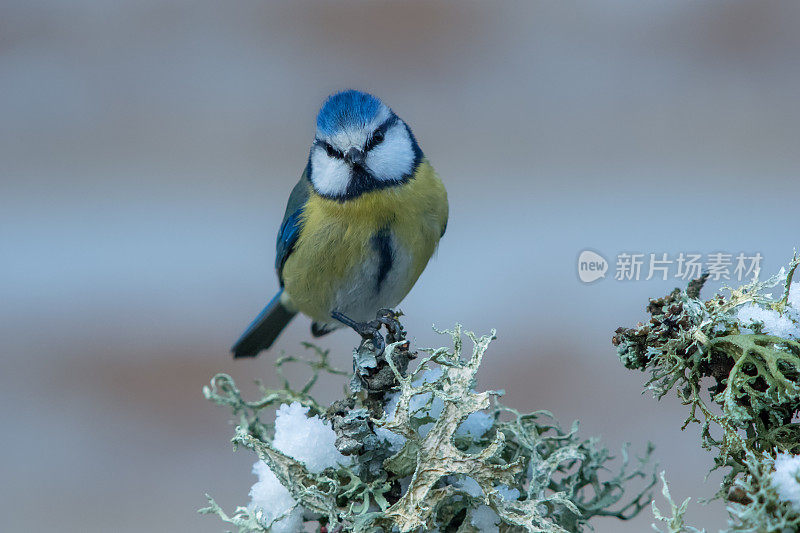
[368, 330]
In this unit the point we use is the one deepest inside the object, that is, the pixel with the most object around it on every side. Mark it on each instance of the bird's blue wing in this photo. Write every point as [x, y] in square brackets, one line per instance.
[292, 223]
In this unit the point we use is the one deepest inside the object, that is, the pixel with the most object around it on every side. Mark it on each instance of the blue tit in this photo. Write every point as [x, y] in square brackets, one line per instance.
[360, 225]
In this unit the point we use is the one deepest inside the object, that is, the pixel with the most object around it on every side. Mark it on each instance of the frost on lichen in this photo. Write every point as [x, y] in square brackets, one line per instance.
[419, 449]
[735, 362]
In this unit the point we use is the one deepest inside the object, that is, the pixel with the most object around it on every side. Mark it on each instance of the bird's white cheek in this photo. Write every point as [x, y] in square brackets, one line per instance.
[329, 175]
[392, 159]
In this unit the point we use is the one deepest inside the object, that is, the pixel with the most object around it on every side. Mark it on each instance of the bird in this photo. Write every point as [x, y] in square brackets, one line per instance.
[360, 226]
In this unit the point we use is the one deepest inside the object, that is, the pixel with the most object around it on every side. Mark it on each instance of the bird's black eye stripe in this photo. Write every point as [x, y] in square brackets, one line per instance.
[330, 150]
[378, 134]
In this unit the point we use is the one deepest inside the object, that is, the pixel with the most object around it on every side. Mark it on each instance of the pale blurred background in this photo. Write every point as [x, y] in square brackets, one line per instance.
[147, 150]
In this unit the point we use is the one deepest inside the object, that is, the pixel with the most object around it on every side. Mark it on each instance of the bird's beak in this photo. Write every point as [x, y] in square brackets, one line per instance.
[354, 156]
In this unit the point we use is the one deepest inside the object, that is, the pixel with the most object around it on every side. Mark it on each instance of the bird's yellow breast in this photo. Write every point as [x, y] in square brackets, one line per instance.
[336, 238]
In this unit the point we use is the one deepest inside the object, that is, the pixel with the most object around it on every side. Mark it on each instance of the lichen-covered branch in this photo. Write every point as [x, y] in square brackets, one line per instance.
[419, 449]
[743, 350]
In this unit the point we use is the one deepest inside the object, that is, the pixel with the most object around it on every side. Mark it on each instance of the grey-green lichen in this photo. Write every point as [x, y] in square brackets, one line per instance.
[675, 521]
[735, 363]
[520, 472]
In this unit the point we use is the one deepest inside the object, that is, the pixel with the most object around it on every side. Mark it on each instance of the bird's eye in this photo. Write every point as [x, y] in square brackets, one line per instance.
[330, 151]
[377, 137]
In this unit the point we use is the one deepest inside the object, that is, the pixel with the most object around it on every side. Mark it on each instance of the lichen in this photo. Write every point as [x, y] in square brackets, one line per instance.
[416, 465]
[752, 381]
[675, 522]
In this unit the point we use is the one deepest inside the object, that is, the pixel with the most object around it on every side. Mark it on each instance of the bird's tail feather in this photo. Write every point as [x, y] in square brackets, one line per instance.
[264, 330]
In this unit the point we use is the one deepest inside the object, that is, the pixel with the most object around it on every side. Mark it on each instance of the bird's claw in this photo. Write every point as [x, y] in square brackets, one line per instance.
[371, 330]
[390, 319]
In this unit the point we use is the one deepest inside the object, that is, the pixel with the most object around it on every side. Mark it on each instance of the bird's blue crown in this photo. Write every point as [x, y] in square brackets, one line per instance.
[346, 110]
